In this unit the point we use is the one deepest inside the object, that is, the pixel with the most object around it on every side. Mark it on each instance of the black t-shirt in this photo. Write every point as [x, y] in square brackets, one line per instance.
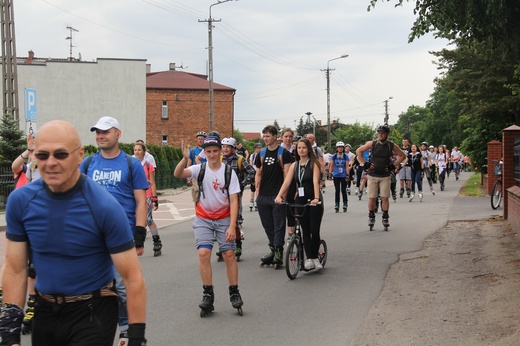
[415, 161]
[241, 151]
[272, 172]
[406, 151]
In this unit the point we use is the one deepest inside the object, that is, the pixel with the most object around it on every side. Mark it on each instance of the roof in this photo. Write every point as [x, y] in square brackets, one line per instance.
[181, 80]
[251, 135]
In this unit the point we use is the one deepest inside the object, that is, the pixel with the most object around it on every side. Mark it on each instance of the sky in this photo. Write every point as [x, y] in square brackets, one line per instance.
[273, 52]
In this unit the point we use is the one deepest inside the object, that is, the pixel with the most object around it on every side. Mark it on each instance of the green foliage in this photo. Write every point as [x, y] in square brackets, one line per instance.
[354, 134]
[12, 139]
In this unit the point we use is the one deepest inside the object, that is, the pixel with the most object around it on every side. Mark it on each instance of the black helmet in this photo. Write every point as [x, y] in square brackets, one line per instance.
[383, 128]
[214, 134]
[201, 133]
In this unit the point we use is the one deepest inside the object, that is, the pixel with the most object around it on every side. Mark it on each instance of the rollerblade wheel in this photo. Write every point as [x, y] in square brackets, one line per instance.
[386, 229]
[204, 313]
[371, 227]
[157, 253]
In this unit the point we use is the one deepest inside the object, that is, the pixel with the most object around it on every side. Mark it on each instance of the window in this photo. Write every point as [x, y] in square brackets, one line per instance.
[164, 140]
[164, 110]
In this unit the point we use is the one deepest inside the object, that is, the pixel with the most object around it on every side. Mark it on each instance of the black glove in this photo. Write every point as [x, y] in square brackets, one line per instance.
[136, 334]
[366, 166]
[391, 167]
[155, 201]
[139, 236]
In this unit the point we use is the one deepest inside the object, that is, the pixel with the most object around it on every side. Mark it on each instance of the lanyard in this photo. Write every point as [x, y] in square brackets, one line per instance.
[301, 172]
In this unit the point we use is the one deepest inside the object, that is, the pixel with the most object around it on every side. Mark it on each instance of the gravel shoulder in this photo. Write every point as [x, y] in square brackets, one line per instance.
[462, 288]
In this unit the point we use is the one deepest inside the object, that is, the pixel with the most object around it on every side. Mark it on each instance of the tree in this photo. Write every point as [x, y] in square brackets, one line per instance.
[12, 139]
[494, 22]
[354, 134]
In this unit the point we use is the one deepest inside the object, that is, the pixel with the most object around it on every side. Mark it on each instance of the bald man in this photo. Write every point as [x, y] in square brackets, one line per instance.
[72, 228]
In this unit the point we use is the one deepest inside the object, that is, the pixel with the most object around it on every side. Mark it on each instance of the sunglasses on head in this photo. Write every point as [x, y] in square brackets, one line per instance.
[58, 155]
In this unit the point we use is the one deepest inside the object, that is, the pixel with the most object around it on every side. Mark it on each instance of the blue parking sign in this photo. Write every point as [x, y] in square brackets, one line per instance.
[30, 105]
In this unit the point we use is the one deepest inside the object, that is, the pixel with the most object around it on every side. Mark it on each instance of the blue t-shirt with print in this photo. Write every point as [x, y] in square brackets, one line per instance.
[113, 176]
[340, 164]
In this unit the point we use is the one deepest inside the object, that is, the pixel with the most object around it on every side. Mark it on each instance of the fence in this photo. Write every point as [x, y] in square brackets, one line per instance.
[6, 183]
[164, 179]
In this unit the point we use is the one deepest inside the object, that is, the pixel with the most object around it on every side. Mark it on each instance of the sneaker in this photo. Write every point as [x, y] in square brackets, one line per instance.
[317, 264]
[309, 264]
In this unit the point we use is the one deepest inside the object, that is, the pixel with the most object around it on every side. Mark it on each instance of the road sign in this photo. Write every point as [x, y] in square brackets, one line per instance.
[30, 105]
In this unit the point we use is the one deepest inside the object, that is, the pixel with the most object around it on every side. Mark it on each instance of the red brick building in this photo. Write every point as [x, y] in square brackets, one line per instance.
[177, 107]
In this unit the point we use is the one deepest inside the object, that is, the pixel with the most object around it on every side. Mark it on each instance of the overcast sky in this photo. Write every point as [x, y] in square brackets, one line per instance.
[272, 51]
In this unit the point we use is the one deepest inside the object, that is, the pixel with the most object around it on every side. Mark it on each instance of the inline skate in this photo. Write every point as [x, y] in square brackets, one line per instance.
[344, 207]
[29, 315]
[157, 245]
[420, 196]
[278, 257]
[386, 223]
[208, 297]
[236, 299]
[401, 193]
[371, 219]
[336, 208]
[411, 196]
[267, 259]
[251, 205]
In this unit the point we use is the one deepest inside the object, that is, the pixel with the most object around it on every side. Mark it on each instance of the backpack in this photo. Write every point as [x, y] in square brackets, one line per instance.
[239, 163]
[278, 157]
[88, 160]
[390, 145]
[200, 179]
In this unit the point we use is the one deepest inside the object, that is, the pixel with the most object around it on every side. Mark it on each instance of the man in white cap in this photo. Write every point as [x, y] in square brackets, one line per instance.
[123, 176]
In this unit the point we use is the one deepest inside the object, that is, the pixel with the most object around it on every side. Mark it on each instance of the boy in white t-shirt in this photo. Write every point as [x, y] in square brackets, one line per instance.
[216, 214]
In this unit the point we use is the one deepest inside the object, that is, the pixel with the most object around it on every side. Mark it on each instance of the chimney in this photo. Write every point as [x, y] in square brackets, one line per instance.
[148, 68]
[172, 66]
[31, 57]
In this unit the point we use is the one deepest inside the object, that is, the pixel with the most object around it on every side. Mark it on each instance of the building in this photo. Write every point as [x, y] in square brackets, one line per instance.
[83, 91]
[177, 107]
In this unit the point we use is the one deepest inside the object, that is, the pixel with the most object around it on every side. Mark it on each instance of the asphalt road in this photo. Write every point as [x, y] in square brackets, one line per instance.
[318, 307]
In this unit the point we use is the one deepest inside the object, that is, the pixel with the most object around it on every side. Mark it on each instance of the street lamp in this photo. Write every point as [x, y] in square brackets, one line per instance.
[386, 109]
[309, 120]
[210, 21]
[328, 96]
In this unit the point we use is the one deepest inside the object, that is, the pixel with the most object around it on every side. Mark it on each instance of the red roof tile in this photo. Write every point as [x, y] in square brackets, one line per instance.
[181, 80]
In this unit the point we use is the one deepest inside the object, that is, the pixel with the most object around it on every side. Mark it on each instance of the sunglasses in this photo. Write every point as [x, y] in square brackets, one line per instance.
[58, 155]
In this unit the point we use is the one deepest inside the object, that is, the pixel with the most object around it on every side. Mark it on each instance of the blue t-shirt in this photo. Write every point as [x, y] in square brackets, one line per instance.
[340, 165]
[71, 234]
[113, 176]
[194, 152]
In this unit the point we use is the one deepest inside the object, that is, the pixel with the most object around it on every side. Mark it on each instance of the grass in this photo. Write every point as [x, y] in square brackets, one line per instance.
[473, 186]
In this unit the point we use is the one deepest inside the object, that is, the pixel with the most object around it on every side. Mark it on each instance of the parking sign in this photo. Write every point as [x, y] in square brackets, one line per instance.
[30, 105]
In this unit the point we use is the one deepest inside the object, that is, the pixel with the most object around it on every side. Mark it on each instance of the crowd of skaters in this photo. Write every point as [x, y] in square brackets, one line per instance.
[283, 169]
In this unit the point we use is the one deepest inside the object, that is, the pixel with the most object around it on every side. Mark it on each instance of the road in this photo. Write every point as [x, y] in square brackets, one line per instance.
[324, 307]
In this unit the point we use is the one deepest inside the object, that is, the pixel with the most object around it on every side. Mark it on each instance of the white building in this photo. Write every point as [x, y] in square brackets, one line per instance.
[81, 92]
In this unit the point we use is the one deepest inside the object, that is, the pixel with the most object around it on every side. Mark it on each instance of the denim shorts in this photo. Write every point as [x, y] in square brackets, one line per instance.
[207, 231]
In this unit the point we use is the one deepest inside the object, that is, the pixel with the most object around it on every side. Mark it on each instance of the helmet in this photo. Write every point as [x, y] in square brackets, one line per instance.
[348, 145]
[201, 133]
[340, 144]
[383, 128]
[431, 147]
[424, 143]
[258, 145]
[229, 141]
[214, 134]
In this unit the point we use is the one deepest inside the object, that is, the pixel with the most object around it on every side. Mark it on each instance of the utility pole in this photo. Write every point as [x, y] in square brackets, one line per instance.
[386, 109]
[327, 74]
[71, 29]
[9, 72]
[210, 22]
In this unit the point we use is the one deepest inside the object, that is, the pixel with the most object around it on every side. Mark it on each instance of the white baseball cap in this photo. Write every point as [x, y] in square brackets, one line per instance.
[106, 123]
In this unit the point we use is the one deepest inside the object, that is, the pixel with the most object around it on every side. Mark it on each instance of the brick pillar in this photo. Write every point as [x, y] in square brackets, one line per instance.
[494, 153]
[508, 180]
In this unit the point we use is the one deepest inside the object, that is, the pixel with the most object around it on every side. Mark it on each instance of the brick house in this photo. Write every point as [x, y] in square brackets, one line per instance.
[177, 107]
